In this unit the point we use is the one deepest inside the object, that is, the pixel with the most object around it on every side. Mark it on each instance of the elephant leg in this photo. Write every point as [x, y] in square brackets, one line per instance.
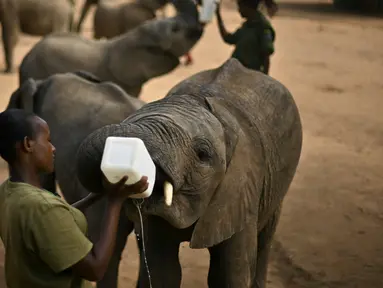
[265, 238]
[233, 262]
[10, 34]
[84, 12]
[161, 243]
[70, 23]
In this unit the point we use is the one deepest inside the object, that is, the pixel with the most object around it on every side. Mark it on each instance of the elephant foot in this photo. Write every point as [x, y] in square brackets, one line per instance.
[9, 70]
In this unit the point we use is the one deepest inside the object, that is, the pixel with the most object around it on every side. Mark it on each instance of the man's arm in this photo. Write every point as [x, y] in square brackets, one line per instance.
[57, 239]
[226, 36]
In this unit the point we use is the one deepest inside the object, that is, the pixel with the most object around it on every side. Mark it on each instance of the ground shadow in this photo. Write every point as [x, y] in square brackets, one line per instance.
[314, 10]
[291, 274]
[322, 10]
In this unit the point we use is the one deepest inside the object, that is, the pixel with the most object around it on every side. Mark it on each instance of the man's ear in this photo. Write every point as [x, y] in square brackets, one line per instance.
[27, 144]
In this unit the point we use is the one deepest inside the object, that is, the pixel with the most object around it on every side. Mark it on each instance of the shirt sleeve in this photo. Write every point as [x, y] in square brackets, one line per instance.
[267, 45]
[57, 238]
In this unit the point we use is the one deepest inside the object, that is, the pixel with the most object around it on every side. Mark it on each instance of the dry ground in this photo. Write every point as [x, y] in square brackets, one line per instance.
[330, 233]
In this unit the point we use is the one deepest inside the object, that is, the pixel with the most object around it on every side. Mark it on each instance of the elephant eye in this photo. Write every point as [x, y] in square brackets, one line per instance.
[203, 150]
[204, 156]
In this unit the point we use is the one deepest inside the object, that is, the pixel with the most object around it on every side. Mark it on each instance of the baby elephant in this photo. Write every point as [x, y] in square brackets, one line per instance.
[149, 50]
[226, 143]
[33, 17]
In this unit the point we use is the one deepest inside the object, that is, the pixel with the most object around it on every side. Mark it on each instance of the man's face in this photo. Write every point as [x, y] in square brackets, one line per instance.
[245, 9]
[43, 151]
[242, 9]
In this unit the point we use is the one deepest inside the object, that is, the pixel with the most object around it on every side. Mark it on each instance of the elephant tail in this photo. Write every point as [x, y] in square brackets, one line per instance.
[24, 96]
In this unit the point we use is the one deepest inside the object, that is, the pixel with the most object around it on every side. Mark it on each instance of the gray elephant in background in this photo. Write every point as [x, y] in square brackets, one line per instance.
[130, 60]
[33, 17]
[111, 20]
[226, 143]
[74, 105]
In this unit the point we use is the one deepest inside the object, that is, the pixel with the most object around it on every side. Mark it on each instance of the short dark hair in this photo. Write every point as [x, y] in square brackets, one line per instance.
[15, 125]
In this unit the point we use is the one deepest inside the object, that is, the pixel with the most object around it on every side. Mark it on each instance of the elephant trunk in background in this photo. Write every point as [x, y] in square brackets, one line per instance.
[187, 9]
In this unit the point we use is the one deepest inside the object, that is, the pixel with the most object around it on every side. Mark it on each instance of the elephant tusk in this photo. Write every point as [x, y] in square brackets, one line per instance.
[168, 193]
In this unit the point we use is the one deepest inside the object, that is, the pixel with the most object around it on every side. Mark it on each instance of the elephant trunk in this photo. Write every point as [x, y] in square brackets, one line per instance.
[161, 141]
[89, 156]
[187, 10]
[90, 153]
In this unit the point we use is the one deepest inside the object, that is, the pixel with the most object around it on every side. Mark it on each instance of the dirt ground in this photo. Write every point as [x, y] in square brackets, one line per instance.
[330, 233]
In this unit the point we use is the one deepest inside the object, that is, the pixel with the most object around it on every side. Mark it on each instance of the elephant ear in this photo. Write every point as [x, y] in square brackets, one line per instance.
[235, 202]
[23, 97]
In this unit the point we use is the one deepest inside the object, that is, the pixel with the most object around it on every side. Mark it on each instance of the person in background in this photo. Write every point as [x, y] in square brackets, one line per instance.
[254, 40]
[45, 237]
[272, 7]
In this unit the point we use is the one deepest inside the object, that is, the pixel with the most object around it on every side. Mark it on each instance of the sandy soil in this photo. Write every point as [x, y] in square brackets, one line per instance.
[330, 232]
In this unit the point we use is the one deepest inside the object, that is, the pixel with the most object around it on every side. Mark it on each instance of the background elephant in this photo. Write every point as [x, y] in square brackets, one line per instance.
[149, 50]
[111, 20]
[33, 17]
[74, 105]
[228, 140]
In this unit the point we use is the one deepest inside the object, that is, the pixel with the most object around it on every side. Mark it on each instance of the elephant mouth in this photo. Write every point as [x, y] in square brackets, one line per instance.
[162, 196]
[176, 208]
[163, 190]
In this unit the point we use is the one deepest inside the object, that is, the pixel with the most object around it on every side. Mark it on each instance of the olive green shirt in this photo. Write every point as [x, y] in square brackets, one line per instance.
[253, 41]
[43, 236]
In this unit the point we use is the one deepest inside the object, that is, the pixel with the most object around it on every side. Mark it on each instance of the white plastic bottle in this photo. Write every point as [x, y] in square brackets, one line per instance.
[207, 11]
[128, 156]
